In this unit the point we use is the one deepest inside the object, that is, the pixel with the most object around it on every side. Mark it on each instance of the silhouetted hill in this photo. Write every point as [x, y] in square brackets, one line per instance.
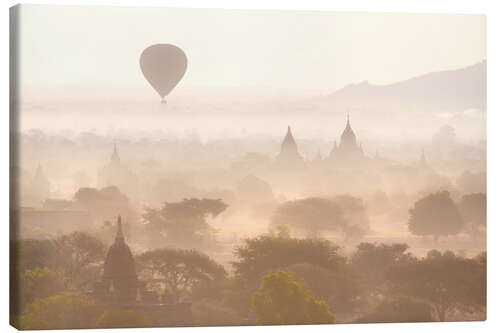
[451, 90]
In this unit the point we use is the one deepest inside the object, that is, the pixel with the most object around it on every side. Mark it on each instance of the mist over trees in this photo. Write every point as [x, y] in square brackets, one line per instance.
[393, 233]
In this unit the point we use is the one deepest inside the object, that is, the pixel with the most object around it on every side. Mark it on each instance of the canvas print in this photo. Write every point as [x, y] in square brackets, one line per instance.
[214, 167]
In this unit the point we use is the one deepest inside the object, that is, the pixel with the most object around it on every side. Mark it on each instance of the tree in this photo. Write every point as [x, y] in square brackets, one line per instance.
[27, 254]
[400, 309]
[436, 215]
[176, 271]
[371, 260]
[62, 311]
[262, 254]
[311, 215]
[104, 204]
[33, 253]
[315, 215]
[354, 211]
[281, 300]
[477, 290]
[183, 223]
[473, 209]
[40, 283]
[340, 290]
[77, 251]
[118, 318]
[442, 279]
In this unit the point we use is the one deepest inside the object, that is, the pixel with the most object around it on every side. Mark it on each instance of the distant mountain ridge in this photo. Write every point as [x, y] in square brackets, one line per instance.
[451, 90]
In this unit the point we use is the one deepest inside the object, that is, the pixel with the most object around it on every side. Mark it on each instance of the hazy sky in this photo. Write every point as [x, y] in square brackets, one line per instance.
[100, 46]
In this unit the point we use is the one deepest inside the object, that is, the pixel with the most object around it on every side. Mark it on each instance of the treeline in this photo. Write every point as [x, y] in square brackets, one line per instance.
[274, 279]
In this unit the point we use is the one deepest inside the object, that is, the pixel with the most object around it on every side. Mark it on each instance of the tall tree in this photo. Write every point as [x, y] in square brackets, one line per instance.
[78, 251]
[177, 272]
[371, 260]
[340, 290]
[436, 215]
[473, 209]
[442, 279]
[281, 300]
[268, 252]
[183, 223]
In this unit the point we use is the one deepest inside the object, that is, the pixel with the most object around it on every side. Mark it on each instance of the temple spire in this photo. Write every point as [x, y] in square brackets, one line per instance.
[119, 231]
[115, 158]
[423, 160]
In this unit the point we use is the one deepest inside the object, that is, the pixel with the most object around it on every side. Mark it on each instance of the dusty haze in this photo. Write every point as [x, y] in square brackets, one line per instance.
[287, 125]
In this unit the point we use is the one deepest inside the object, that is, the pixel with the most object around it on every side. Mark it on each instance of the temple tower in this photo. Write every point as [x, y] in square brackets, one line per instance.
[289, 155]
[119, 278]
[348, 149]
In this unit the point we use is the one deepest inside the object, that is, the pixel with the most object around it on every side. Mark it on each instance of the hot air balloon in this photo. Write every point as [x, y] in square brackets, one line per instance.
[163, 65]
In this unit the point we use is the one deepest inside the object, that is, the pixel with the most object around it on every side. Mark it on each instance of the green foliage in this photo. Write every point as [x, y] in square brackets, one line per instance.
[118, 318]
[62, 311]
[177, 271]
[77, 251]
[442, 279]
[371, 260]
[267, 252]
[40, 283]
[183, 223]
[341, 290]
[33, 253]
[70, 256]
[399, 310]
[435, 214]
[283, 301]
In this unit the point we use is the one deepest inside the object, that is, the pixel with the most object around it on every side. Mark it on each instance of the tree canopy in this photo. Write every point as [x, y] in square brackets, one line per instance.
[473, 209]
[176, 272]
[183, 223]
[443, 279]
[281, 300]
[77, 251]
[436, 215]
[62, 311]
[262, 254]
[371, 260]
[40, 283]
[400, 309]
[105, 203]
[316, 215]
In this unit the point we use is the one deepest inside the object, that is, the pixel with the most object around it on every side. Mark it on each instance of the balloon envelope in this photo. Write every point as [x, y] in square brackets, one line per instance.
[163, 65]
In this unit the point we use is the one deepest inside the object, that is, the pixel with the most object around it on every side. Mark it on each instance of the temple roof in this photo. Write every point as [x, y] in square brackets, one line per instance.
[119, 263]
[289, 141]
[348, 130]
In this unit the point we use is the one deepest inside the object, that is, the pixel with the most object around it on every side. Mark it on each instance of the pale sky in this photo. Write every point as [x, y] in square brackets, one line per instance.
[100, 46]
